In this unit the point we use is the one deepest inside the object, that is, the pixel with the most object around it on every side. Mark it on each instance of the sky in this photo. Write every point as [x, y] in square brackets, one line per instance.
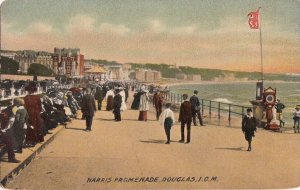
[199, 33]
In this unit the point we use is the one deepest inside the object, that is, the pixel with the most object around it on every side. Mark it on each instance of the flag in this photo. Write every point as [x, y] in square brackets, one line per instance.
[253, 19]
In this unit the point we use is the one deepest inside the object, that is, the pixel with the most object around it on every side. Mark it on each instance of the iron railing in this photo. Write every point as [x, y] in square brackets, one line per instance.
[209, 105]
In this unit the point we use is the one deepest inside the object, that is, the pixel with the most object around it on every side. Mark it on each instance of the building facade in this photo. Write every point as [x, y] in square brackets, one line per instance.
[45, 59]
[68, 62]
[194, 77]
[25, 59]
[143, 75]
[9, 54]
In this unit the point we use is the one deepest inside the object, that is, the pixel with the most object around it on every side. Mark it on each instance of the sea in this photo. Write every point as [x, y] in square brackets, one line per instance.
[241, 93]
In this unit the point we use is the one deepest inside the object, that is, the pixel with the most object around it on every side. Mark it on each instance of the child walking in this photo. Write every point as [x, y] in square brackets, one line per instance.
[167, 119]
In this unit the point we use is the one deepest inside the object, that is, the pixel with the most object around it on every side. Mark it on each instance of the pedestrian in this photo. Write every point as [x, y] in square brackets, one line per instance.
[185, 118]
[249, 127]
[123, 95]
[6, 133]
[20, 124]
[157, 102]
[296, 118]
[88, 108]
[144, 105]
[33, 105]
[136, 100]
[194, 100]
[109, 99]
[167, 120]
[126, 92]
[99, 96]
[279, 107]
[117, 103]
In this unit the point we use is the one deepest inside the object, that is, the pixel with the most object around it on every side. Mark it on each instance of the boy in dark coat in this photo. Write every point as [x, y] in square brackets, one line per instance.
[249, 126]
[185, 118]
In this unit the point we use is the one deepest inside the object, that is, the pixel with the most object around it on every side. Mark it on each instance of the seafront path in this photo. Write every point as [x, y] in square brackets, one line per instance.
[131, 154]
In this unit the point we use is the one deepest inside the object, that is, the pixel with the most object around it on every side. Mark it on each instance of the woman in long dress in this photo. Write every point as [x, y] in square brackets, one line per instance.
[136, 100]
[33, 106]
[123, 95]
[109, 99]
[144, 106]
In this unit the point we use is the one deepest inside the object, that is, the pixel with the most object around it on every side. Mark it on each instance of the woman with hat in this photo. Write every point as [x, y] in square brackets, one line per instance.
[249, 126]
[19, 126]
[33, 106]
[144, 105]
[109, 97]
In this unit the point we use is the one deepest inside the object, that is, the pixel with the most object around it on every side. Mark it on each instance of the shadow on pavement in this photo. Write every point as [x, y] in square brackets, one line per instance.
[75, 128]
[156, 141]
[236, 149]
[103, 119]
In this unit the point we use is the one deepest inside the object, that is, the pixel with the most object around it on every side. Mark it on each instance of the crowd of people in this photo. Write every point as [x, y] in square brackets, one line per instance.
[26, 121]
[11, 88]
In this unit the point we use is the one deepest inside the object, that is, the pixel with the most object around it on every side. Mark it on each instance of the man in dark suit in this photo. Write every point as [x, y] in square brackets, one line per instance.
[185, 118]
[99, 96]
[117, 105]
[196, 108]
[157, 103]
[88, 108]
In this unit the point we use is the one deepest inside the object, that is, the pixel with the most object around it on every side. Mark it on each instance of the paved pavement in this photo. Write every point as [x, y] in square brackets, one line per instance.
[132, 155]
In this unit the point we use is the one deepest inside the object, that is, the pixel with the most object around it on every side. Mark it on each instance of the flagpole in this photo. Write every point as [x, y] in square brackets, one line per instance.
[261, 52]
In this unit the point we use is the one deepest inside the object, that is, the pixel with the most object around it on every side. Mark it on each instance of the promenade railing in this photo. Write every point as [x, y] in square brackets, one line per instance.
[8, 94]
[209, 106]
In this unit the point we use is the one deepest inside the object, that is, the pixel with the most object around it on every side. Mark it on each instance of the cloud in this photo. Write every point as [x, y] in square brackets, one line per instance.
[80, 23]
[116, 29]
[157, 26]
[232, 45]
[185, 30]
[40, 28]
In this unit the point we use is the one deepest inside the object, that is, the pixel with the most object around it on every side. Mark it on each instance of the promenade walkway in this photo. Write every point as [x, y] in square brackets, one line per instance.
[132, 155]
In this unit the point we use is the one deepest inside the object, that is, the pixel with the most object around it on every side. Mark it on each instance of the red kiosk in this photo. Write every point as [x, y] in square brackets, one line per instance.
[269, 100]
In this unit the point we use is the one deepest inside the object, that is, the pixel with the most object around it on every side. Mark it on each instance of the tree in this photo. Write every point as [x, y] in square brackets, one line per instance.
[39, 70]
[9, 66]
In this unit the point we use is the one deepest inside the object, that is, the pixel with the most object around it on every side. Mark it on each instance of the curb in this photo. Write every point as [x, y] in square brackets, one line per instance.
[15, 172]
